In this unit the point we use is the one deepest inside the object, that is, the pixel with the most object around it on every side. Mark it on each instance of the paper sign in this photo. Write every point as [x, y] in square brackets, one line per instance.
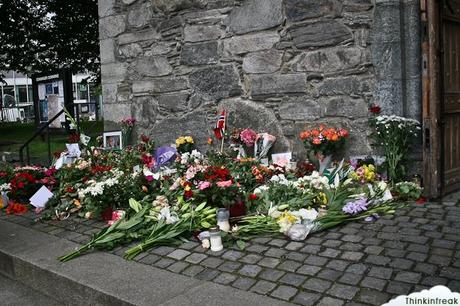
[282, 159]
[41, 197]
[164, 155]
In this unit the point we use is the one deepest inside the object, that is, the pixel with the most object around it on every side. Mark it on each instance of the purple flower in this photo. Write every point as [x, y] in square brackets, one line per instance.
[353, 208]
[372, 218]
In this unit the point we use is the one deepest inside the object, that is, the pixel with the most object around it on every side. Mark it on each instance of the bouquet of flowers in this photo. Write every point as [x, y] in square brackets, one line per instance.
[127, 125]
[185, 144]
[395, 135]
[324, 140]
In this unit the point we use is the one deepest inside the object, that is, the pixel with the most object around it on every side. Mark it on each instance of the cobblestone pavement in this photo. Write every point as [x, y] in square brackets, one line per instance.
[356, 264]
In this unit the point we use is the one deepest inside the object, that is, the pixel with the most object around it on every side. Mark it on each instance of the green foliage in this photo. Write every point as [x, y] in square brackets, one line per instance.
[408, 190]
[42, 35]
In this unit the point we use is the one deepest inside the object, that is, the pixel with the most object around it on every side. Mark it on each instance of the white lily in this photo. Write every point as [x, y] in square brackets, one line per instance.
[165, 213]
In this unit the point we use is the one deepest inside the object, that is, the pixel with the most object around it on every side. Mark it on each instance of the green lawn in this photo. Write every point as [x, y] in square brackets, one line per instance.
[13, 135]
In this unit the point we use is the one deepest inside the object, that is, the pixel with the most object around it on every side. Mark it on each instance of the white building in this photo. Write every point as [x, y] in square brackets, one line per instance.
[19, 86]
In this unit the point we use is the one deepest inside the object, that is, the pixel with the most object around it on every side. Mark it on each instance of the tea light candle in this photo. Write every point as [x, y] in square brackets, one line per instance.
[216, 240]
[222, 219]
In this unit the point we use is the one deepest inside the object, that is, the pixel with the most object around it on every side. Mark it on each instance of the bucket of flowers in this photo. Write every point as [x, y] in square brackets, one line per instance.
[323, 142]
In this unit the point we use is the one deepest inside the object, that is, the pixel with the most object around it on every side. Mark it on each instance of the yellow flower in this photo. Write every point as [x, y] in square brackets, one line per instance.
[189, 139]
[369, 172]
[187, 188]
[76, 202]
[288, 217]
[321, 199]
[180, 141]
[354, 176]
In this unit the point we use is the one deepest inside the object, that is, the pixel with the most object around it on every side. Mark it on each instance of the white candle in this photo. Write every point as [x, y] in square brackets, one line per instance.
[216, 241]
[224, 225]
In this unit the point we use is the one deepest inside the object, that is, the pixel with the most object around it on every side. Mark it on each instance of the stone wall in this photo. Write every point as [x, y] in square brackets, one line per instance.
[277, 65]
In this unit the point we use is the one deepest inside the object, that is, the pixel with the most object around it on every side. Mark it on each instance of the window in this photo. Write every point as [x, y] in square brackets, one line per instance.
[21, 93]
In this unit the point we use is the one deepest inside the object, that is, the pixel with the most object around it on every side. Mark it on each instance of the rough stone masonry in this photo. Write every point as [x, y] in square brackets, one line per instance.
[278, 66]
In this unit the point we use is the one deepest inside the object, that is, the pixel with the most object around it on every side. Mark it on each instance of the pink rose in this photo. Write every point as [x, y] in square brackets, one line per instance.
[248, 136]
[203, 185]
[224, 184]
[117, 214]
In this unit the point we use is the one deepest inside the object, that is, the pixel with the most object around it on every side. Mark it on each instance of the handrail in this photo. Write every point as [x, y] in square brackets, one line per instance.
[47, 127]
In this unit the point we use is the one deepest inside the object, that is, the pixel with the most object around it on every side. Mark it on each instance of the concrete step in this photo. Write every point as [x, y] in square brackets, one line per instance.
[13, 293]
[99, 278]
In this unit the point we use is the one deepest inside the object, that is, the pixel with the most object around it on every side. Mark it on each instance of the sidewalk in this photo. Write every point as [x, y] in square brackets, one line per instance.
[357, 264]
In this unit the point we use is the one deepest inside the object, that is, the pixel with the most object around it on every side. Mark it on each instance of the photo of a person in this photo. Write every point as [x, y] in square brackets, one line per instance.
[113, 140]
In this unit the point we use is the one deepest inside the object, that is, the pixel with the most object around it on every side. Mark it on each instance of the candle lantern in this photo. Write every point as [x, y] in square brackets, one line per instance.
[216, 240]
[222, 219]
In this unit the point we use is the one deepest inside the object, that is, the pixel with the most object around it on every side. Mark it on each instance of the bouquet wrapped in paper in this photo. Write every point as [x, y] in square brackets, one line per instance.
[262, 145]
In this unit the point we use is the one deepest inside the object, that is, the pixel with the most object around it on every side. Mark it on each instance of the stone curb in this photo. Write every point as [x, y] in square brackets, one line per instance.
[101, 278]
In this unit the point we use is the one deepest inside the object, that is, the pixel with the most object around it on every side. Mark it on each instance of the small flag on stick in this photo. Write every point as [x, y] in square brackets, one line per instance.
[219, 130]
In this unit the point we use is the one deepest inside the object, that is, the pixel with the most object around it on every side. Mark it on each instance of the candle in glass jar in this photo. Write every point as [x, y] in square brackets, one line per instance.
[222, 219]
[216, 240]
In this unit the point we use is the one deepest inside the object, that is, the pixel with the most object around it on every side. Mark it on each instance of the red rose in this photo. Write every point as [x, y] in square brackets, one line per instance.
[145, 138]
[253, 197]
[375, 109]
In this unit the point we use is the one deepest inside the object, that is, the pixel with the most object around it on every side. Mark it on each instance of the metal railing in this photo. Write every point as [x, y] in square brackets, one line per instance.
[45, 128]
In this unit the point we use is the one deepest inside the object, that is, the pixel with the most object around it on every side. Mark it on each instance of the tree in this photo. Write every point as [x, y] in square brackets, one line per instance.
[42, 35]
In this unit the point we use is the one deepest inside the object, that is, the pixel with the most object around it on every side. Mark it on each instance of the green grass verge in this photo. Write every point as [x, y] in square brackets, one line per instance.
[19, 133]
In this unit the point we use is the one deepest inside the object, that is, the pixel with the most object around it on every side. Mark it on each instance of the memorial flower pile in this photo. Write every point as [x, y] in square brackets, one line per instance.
[163, 196]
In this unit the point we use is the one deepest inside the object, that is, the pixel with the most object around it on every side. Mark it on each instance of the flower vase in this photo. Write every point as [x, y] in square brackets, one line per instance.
[127, 137]
[324, 162]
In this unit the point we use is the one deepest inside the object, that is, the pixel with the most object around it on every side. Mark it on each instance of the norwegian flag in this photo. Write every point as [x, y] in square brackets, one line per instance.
[219, 130]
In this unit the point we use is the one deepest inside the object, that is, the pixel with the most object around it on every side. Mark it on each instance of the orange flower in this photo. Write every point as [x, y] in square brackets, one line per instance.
[322, 127]
[304, 135]
[315, 133]
[316, 141]
[209, 141]
[334, 137]
[16, 209]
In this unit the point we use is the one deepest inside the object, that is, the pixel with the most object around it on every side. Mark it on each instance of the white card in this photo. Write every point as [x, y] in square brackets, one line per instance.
[84, 139]
[41, 197]
[282, 159]
[73, 149]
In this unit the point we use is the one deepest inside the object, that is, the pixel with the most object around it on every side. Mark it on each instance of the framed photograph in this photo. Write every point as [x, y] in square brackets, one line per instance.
[113, 140]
